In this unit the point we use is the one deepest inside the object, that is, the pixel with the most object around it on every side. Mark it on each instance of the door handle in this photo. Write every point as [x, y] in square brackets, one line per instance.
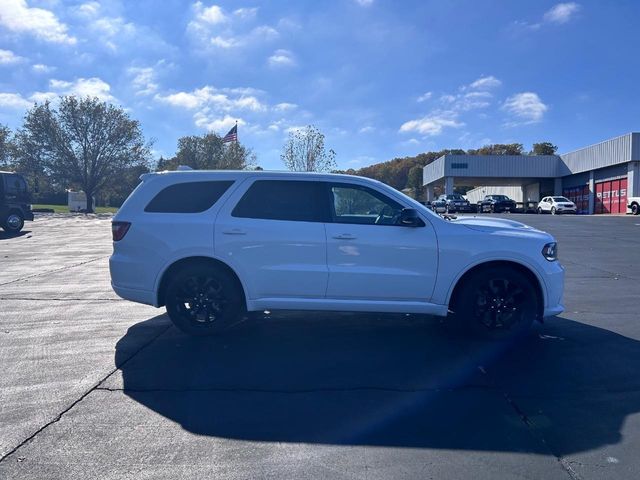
[234, 231]
[345, 236]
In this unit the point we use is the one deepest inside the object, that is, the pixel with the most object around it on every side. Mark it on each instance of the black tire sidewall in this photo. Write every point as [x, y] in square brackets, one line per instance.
[463, 321]
[635, 209]
[7, 228]
[230, 289]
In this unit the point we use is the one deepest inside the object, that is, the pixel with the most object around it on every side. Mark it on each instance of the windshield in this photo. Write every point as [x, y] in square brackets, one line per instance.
[455, 197]
[561, 199]
[500, 197]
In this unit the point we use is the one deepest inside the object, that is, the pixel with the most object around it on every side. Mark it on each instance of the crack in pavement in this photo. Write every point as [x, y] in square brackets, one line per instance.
[59, 416]
[61, 269]
[533, 429]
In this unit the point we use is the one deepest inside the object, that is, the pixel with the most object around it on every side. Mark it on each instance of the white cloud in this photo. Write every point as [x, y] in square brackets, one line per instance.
[13, 101]
[110, 31]
[83, 87]
[211, 97]
[212, 27]
[143, 80]
[212, 15]
[7, 57]
[246, 13]
[485, 83]
[17, 17]
[285, 107]
[282, 58]
[424, 97]
[561, 13]
[364, 3]
[526, 107]
[366, 129]
[214, 124]
[430, 125]
[42, 68]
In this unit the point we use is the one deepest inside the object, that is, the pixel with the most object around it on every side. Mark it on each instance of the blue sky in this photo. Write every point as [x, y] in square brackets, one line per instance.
[380, 78]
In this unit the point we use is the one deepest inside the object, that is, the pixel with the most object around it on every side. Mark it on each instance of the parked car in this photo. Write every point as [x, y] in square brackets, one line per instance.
[439, 206]
[455, 203]
[14, 202]
[556, 205]
[633, 204]
[496, 204]
[211, 245]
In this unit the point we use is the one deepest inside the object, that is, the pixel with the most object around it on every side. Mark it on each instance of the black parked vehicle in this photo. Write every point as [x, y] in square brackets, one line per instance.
[496, 204]
[14, 202]
[455, 203]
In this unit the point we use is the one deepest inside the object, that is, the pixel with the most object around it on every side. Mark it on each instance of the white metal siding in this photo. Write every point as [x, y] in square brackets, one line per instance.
[478, 193]
[516, 166]
[610, 152]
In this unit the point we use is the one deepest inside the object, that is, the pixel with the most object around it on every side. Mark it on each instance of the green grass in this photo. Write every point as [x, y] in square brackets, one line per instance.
[65, 208]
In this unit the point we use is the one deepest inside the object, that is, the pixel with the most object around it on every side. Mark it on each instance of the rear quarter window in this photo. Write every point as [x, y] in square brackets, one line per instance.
[188, 197]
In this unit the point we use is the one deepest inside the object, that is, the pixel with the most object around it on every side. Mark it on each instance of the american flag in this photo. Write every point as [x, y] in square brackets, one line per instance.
[232, 136]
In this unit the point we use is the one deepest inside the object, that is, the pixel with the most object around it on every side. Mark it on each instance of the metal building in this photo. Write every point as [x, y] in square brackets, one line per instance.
[598, 178]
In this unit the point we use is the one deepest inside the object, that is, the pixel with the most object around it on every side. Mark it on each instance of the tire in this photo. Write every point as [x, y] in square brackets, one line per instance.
[539, 211]
[497, 303]
[635, 209]
[492, 209]
[203, 300]
[13, 223]
[553, 210]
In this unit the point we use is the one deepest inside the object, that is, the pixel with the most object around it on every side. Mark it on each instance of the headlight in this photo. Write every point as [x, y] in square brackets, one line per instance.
[550, 251]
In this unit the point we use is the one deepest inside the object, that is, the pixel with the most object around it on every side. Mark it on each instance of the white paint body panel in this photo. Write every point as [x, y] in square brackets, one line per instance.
[301, 266]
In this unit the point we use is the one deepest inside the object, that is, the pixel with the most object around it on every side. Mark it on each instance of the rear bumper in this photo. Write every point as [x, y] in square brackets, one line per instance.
[141, 296]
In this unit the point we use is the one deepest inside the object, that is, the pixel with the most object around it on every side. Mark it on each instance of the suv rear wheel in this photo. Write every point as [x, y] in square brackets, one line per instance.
[13, 223]
[203, 301]
[635, 209]
[498, 303]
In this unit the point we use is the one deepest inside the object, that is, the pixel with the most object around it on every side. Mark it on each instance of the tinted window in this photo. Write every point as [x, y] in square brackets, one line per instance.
[362, 205]
[14, 185]
[291, 200]
[190, 197]
[561, 199]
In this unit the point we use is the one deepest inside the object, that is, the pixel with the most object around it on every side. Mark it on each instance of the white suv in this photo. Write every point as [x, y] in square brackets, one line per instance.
[211, 245]
[556, 205]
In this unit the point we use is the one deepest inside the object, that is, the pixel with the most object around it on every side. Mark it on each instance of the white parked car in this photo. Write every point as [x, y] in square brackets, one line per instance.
[211, 245]
[556, 205]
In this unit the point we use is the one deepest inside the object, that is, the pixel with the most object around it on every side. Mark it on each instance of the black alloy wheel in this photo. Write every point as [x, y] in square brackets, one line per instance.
[203, 301]
[497, 303]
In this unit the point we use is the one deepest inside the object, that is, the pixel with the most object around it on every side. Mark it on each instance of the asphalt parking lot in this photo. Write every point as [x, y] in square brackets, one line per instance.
[96, 387]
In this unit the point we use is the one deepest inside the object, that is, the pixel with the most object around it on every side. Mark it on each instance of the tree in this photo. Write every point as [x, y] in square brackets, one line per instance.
[414, 181]
[304, 151]
[544, 148]
[208, 152]
[84, 143]
[6, 147]
[499, 149]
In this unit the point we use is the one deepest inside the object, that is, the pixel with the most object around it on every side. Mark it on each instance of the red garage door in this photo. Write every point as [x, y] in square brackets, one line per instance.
[611, 196]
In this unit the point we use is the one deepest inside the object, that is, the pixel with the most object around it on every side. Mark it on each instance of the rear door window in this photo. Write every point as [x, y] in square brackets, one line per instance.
[289, 200]
[188, 197]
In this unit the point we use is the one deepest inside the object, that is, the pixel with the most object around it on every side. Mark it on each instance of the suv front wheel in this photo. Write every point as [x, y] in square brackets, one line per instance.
[498, 303]
[203, 301]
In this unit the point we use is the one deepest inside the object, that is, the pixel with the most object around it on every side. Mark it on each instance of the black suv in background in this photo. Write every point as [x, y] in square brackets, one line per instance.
[496, 203]
[14, 202]
[455, 203]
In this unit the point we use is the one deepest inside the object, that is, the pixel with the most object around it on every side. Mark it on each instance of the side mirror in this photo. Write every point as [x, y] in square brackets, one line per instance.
[410, 218]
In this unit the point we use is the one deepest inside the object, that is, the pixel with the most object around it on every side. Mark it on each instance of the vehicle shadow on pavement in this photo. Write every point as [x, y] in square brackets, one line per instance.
[8, 235]
[390, 380]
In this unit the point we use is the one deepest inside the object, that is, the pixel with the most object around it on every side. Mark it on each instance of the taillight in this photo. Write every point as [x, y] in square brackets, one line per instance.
[119, 230]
